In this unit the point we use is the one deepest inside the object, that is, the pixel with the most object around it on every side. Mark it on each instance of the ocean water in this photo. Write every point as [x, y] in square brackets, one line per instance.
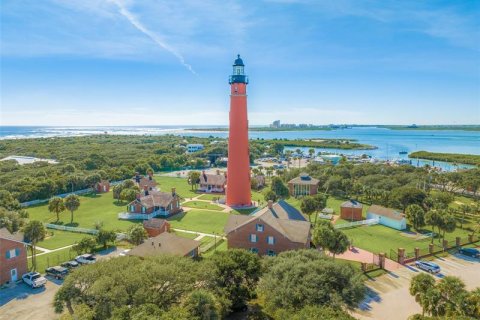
[389, 142]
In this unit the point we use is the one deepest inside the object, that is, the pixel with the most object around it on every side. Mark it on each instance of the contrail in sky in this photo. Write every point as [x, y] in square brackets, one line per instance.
[137, 24]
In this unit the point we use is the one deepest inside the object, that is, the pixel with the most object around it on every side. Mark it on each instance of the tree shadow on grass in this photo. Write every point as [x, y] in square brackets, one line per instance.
[91, 195]
[119, 203]
[72, 224]
[177, 217]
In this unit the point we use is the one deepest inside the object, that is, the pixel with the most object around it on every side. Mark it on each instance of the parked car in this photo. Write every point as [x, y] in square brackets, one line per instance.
[72, 264]
[428, 266]
[57, 272]
[34, 279]
[471, 252]
[124, 253]
[86, 258]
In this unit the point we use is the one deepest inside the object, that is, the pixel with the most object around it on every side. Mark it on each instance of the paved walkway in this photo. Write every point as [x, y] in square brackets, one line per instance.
[45, 250]
[360, 255]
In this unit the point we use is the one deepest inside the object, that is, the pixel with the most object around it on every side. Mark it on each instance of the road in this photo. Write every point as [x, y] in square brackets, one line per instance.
[388, 296]
[24, 303]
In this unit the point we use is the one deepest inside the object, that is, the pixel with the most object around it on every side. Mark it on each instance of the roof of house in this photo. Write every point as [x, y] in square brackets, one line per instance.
[165, 243]
[5, 234]
[147, 182]
[154, 223]
[351, 204]
[304, 179]
[214, 179]
[282, 217]
[156, 199]
[386, 212]
[104, 182]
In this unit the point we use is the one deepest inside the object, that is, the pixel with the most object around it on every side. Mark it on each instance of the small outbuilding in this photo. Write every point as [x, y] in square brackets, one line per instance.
[102, 186]
[155, 226]
[351, 210]
[387, 217]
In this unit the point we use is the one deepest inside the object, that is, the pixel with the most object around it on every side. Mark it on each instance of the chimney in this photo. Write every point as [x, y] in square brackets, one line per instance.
[218, 172]
[270, 204]
[145, 190]
[138, 196]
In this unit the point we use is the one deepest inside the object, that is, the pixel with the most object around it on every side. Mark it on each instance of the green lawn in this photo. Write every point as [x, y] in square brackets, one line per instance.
[220, 247]
[93, 208]
[381, 239]
[200, 221]
[211, 197]
[52, 259]
[185, 234]
[181, 186]
[202, 205]
[57, 239]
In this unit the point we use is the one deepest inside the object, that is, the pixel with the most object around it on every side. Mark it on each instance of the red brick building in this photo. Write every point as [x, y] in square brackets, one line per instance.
[13, 256]
[163, 203]
[351, 210]
[145, 182]
[155, 226]
[275, 228]
[304, 185]
[103, 186]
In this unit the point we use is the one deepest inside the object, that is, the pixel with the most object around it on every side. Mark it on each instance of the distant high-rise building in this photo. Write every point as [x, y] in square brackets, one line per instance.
[275, 124]
[238, 167]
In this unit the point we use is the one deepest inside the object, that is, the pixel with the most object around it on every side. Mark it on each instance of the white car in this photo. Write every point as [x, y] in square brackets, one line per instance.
[86, 258]
[34, 279]
[124, 253]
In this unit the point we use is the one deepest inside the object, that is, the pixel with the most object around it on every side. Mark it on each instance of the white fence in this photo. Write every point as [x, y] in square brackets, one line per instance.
[368, 222]
[63, 195]
[142, 216]
[71, 229]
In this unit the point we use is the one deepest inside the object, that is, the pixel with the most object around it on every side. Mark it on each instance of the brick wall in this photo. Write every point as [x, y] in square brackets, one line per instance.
[241, 239]
[19, 262]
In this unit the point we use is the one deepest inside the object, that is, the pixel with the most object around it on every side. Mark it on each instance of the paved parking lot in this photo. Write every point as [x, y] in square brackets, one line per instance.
[388, 296]
[24, 303]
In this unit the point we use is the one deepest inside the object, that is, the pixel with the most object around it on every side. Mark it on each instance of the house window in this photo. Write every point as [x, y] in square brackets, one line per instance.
[270, 240]
[254, 250]
[12, 253]
[132, 208]
[271, 253]
[253, 238]
[259, 227]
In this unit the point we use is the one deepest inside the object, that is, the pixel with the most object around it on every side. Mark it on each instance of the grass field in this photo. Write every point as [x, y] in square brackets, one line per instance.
[222, 246]
[202, 205]
[381, 239]
[210, 196]
[52, 259]
[185, 234]
[93, 208]
[200, 221]
[57, 239]
[181, 186]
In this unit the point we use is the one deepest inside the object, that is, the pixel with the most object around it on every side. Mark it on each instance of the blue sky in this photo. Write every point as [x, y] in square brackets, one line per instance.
[153, 62]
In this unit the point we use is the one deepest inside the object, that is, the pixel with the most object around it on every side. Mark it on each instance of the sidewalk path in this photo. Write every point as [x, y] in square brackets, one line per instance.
[45, 251]
[360, 255]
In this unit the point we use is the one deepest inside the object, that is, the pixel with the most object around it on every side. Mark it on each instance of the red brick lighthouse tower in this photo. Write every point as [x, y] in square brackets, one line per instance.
[238, 169]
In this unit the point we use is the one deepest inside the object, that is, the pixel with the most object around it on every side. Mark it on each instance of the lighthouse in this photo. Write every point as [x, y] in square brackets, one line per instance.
[238, 168]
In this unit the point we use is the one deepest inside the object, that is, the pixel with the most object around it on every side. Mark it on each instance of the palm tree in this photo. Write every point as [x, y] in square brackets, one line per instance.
[453, 291]
[419, 286]
[57, 206]
[433, 218]
[72, 202]
[464, 208]
[34, 232]
[447, 223]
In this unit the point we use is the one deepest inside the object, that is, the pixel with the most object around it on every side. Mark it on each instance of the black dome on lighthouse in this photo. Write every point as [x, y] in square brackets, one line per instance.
[238, 61]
